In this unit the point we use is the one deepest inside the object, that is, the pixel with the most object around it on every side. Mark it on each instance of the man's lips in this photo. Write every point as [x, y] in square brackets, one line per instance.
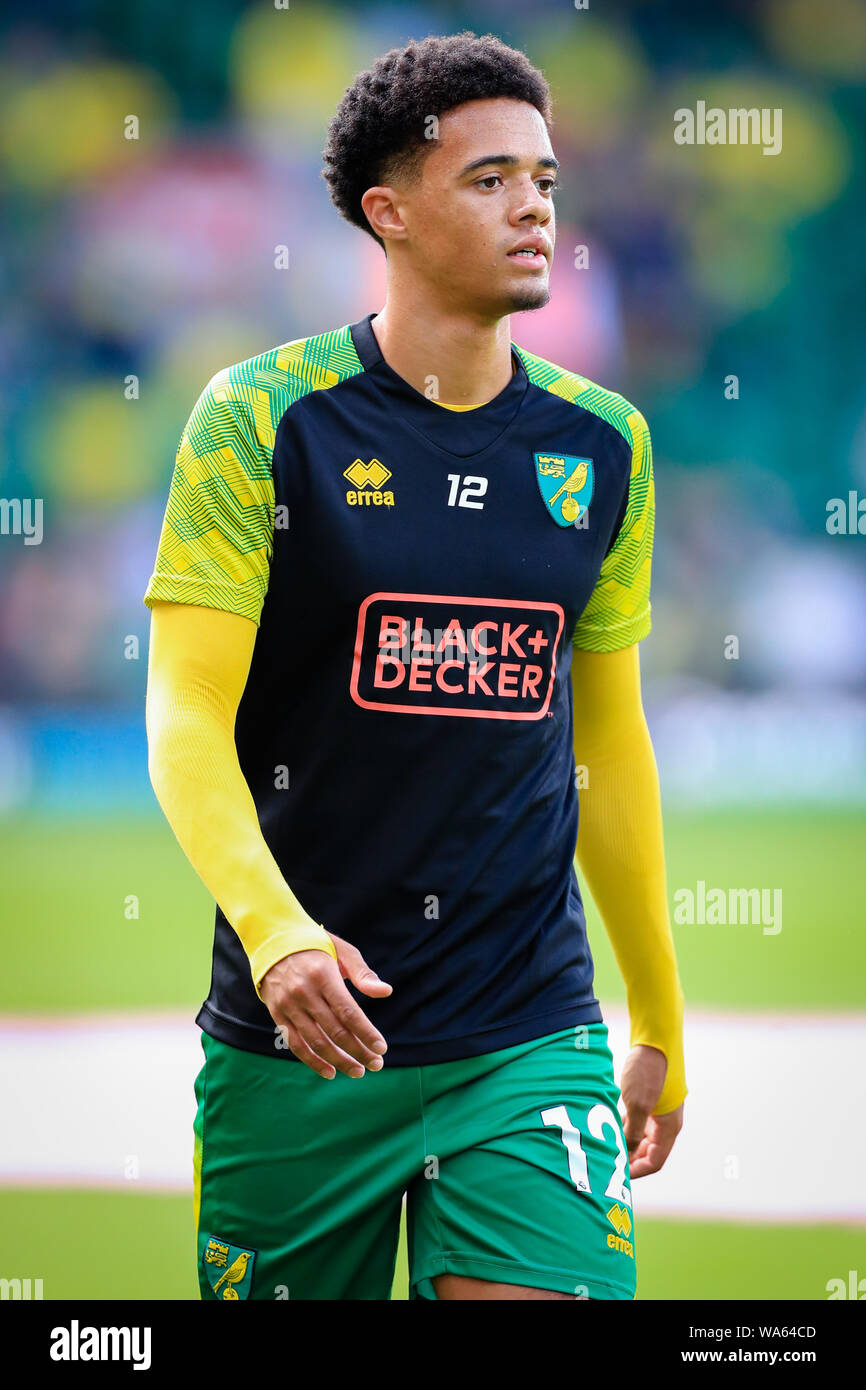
[530, 257]
[533, 251]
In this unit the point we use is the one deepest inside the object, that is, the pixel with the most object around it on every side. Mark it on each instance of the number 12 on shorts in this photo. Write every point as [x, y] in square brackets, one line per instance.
[599, 1118]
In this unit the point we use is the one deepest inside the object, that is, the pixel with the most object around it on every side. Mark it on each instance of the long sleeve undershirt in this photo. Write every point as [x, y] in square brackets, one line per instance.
[620, 850]
[197, 668]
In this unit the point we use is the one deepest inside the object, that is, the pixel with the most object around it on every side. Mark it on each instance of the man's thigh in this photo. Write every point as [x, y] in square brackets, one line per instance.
[526, 1174]
[458, 1287]
[299, 1180]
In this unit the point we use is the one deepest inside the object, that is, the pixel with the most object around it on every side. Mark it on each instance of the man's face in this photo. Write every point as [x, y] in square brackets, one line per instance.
[485, 189]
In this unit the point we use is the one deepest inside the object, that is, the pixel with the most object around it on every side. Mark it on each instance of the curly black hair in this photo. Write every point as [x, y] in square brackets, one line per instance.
[379, 130]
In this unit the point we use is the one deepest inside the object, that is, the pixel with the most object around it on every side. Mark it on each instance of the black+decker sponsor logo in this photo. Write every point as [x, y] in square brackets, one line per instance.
[440, 654]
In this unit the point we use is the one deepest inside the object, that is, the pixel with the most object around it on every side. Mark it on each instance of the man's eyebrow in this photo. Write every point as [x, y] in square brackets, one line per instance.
[546, 161]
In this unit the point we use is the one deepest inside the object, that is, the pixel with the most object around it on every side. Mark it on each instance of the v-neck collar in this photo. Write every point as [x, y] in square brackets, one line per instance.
[458, 432]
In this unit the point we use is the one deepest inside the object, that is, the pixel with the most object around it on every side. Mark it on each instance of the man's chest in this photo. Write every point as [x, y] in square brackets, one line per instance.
[367, 502]
[448, 583]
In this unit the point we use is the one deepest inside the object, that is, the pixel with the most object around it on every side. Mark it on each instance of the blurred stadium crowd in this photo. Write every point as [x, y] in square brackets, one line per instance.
[132, 269]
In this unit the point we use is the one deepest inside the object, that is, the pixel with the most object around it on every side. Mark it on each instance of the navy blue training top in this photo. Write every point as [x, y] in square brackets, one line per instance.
[419, 576]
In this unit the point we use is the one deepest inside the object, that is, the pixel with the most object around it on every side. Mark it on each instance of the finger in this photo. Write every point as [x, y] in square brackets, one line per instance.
[653, 1151]
[649, 1162]
[353, 966]
[635, 1160]
[342, 1037]
[351, 1017]
[634, 1126]
[322, 996]
[305, 1054]
[324, 1046]
[662, 1142]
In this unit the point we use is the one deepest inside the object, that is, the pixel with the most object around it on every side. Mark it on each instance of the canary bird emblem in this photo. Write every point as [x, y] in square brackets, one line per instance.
[566, 485]
[229, 1269]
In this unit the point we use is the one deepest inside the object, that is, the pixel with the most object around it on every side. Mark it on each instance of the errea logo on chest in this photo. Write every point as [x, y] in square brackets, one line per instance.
[368, 479]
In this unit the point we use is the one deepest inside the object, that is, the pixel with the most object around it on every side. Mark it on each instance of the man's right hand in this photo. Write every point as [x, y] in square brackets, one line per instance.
[316, 1014]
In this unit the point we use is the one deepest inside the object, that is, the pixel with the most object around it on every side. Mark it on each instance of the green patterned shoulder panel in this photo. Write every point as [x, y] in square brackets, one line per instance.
[618, 612]
[570, 386]
[217, 535]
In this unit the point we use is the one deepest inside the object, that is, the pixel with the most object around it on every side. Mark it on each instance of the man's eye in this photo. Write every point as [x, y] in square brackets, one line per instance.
[547, 185]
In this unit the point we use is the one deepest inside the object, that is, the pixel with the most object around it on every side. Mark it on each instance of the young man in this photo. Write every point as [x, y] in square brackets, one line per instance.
[384, 547]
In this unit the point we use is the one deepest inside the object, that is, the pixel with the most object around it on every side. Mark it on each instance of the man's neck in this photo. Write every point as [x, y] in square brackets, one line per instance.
[447, 356]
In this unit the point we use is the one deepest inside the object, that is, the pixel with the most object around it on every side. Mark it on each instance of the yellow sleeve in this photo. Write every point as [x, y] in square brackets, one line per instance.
[618, 613]
[198, 665]
[620, 850]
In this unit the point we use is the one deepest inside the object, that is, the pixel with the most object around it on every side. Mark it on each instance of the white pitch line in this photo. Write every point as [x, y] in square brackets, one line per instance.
[775, 1124]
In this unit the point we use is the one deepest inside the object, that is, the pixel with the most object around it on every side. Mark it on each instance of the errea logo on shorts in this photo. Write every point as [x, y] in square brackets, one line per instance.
[480, 658]
[619, 1218]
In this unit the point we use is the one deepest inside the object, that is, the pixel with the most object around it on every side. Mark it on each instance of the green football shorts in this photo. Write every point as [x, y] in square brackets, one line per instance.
[513, 1165]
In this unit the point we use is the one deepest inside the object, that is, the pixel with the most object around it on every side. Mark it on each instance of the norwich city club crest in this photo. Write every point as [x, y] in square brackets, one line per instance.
[566, 486]
[229, 1268]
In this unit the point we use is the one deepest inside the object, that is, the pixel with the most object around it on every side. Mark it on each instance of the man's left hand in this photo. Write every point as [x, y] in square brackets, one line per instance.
[649, 1137]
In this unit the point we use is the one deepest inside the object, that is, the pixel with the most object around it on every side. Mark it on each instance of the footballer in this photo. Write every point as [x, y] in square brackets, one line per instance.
[396, 607]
